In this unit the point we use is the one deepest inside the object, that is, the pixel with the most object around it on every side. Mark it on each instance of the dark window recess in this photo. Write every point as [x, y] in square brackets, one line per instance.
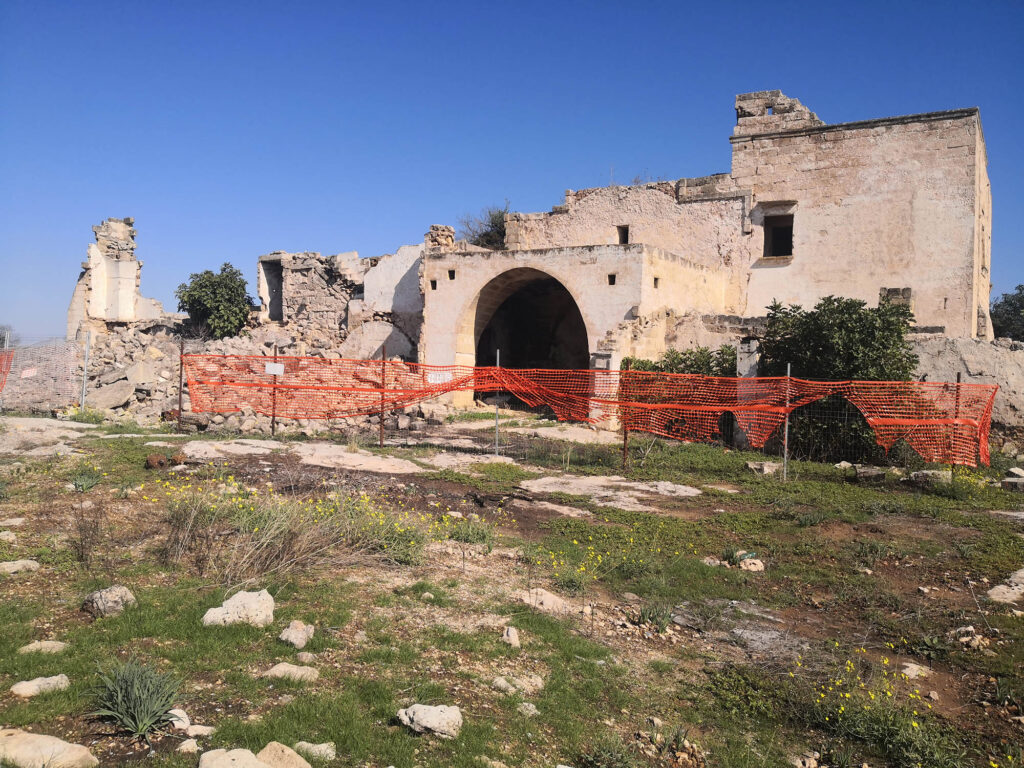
[623, 231]
[451, 274]
[778, 236]
[273, 273]
[611, 279]
[433, 285]
[657, 280]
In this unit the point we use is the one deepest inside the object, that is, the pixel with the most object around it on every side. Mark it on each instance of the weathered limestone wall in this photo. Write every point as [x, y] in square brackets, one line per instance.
[107, 290]
[893, 203]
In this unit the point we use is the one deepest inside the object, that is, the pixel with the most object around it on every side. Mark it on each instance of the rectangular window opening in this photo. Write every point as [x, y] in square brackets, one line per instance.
[623, 232]
[778, 236]
[611, 279]
[433, 285]
[657, 280]
[769, 110]
[451, 274]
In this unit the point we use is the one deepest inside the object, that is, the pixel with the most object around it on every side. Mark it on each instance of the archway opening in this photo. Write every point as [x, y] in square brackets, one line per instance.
[536, 325]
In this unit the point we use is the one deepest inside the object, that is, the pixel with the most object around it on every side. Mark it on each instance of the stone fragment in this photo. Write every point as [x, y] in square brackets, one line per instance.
[767, 468]
[751, 564]
[1015, 471]
[277, 755]
[293, 672]
[510, 637]
[108, 602]
[297, 634]
[156, 461]
[326, 751]
[43, 646]
[528, 709]
[442, 721]
[528, 684]
[711, 561]
[198, 731]
[305, 657]
[179, 720]
[544, 601]
[18, 566]
[914, 671]
[235, 758]
[8, 537]
[111, 396]
[33, 750]
[13, 522]
[188, 747]
[870, 474]
[255, 608]
[26, 689]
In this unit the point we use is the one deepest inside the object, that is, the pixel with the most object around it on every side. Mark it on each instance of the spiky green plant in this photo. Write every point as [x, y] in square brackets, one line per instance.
[137, 697]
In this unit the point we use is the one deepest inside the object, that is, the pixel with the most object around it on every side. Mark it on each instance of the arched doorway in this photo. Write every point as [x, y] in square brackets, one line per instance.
[533, 320]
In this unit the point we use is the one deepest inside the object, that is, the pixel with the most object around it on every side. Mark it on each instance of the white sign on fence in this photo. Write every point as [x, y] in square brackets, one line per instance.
[275, 369]
[28, 373]
[439, 377]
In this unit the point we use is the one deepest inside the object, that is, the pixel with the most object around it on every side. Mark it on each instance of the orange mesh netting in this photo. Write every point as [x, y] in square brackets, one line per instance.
[6, 360]
[946, 423]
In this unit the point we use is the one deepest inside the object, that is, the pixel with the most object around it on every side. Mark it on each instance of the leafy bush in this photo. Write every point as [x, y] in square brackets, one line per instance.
[85, 415]
[137, 697]
[1008, 315]
[486, 229]
[699, 360]
[217, 303]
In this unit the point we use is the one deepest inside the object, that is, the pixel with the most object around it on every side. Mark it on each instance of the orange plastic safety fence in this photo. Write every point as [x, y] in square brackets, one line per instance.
[6, 360]
[942, 422]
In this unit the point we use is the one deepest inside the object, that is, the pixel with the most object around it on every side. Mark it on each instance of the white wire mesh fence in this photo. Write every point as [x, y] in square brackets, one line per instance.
[44, 375]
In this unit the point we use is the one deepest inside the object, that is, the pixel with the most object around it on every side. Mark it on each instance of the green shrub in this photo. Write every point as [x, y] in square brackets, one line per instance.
[699, 360]
[217, 303]
[472, 532]
[606, 752]
[86, 480]
[1008, 315]
[137, 697]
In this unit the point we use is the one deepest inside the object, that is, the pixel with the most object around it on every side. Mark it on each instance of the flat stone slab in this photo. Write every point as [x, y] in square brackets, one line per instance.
[235, 758]
[18, 566]
[325, 751]
[205, 450]
[43, 646]
[13, 522]
[443, 721]
[293, 672]
[8, 537]
[611, 490]
[333, 456]
[277, 755]
[26, 689]
[34, 750]
[544, 601]
[1009, 592]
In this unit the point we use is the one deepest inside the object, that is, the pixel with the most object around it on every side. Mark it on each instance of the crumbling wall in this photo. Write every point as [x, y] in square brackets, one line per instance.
[107, 290]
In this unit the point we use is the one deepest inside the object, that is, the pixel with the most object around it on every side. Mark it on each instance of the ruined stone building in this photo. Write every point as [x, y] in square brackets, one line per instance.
[895, 208]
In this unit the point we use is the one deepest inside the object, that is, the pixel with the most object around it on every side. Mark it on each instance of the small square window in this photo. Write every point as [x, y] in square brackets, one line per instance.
[778, 236]
[611, 279]
[433, 285]
[451, 274]
[623, 232]
[657, 281]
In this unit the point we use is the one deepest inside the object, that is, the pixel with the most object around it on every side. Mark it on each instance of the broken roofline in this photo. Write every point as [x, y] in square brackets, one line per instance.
[878, 122]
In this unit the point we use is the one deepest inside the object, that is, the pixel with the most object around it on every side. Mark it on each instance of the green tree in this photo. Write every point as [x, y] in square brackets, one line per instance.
[837, 340]
[702, 360]
[486, 229]
[217, 303]
[1008, 315]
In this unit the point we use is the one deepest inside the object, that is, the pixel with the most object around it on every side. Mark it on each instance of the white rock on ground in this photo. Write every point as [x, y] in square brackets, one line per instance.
[751, 564]
[1011, 591]
[43, 646]
[179, 721]
[510, 637]
[108, 602]
[544, 601]
[287, 671]
[26, 689]
[255, 608]
[297, 634]
[18, 566]
[305, 657]
[527, 709]
[199, 731]
[325, 751]
[8, 537]
[277, 755]
[914, 671]
[442, 721]
[13, 522]
[235, 758]
[33, 750]
[188, 747]
[528, 684]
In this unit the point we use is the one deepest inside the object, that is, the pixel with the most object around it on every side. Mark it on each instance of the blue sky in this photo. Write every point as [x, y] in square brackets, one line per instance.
[229, 130]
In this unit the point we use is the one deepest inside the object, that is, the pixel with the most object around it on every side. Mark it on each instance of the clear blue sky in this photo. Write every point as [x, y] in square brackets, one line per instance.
[229, 130]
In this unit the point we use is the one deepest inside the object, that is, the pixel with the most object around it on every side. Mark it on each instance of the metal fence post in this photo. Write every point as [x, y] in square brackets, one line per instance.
[952, 434]
[273, 397]
[622, 416]
[85, 366]
[181, 377]
[383, 386]
[497, 364]
[785, 433]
